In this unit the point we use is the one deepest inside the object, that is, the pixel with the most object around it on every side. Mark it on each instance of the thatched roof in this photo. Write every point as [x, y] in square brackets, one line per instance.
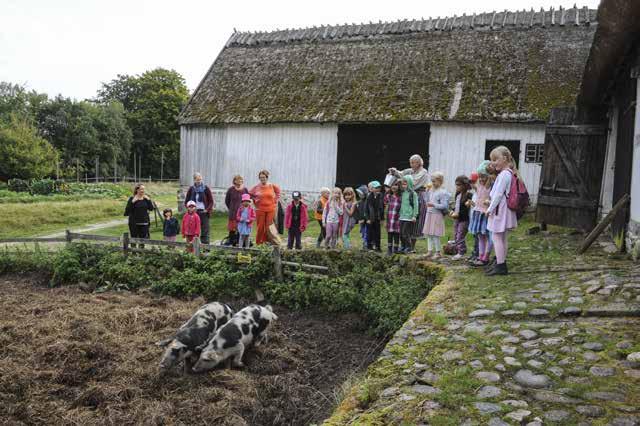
[508, 66]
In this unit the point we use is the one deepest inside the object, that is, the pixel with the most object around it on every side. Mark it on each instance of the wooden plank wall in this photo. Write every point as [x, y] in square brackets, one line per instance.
[458, 148]
[299, 156]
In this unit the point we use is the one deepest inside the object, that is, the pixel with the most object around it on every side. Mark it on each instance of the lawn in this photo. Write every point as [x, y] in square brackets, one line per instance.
[20, 219]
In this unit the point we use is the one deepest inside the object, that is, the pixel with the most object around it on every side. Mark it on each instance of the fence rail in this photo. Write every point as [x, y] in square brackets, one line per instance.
[137, 245]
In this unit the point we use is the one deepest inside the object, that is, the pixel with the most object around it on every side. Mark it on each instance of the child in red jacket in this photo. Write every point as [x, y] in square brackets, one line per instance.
[295, 220]
[245, 217]
[190, 225]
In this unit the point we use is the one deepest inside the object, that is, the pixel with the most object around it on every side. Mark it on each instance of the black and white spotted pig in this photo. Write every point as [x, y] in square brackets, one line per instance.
[192, 335]
[248, 326]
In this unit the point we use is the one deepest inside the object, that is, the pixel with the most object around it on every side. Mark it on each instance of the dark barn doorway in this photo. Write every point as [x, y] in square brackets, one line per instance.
[514, 147]
[366, 151]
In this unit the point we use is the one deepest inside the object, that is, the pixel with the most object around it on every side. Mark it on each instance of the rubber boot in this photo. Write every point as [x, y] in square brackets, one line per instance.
[491, 264]
[499, 269]
[389, 250]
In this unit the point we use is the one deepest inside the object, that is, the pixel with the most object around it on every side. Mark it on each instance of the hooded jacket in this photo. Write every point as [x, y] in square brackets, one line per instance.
[362, 191]
[409, 205]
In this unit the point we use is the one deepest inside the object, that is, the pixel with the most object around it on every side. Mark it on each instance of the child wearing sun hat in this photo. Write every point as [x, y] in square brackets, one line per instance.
[245, 217]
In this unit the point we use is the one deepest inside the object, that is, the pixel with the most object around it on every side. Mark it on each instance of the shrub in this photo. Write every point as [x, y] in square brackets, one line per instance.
[43, 187]
[18, 185]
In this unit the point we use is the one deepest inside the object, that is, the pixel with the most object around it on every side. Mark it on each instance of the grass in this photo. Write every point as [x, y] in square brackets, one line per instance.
[43, 217]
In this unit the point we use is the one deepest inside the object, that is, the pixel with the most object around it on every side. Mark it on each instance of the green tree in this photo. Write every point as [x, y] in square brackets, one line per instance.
[152, 102]
[24, 154]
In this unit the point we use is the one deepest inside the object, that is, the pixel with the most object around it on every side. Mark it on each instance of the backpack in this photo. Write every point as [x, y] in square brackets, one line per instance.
[518, 196]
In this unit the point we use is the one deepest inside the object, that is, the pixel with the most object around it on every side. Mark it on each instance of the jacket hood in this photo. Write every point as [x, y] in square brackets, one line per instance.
[362, 189]
[409, 180]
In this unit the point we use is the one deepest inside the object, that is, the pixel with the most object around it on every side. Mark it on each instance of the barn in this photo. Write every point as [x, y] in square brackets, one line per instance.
[340, 104]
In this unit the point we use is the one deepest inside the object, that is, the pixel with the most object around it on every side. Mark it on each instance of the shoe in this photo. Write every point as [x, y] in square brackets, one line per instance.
[457, 257]
[479, 262]
[498, 269]
[436, 256]
[491, 264]
[428, 255]
[389, 251]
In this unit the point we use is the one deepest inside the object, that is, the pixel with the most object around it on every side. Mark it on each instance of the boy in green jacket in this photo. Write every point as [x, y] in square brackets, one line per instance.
[408, 213]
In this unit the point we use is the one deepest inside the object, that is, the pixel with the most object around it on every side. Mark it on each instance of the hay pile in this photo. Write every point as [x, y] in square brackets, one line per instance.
[72, 357]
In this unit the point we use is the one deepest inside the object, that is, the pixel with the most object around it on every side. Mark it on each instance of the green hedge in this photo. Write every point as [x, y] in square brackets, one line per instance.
[384, 290]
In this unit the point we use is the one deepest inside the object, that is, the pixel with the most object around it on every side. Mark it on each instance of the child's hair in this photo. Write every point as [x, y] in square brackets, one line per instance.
[349, 191]
[396, 184]
[503, 151]
[463, 181]
[336, 191]
[165, 211]
[236, 177]
[437, 176]
[325, 189]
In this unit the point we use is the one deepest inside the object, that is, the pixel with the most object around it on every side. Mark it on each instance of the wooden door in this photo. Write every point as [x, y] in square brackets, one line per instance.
[571, 175]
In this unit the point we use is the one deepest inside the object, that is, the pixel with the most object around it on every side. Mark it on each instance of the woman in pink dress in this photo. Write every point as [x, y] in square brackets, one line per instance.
[501, 218]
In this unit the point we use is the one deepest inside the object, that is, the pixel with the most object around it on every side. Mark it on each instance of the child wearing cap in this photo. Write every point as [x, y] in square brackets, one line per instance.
[245, 217]
[296, 219]
[170, 225]
[190, 225]
[374, 215]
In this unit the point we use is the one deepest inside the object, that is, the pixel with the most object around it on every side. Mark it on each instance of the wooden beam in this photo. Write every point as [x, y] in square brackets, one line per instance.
[33, 240]
[603, 224]
[306, 266]
[588, 130]
[573, 203]
[93, 237]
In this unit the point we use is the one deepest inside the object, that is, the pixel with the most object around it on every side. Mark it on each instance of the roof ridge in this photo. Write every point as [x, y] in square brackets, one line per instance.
[491, 20]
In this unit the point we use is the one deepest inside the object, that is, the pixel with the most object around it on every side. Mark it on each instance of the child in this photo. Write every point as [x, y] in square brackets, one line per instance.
[501, 218]
[478, 223]
[245, 217]
[349, 219]
[374, 215]
[332, 217]
[170, 227]
[473, 180]
[296, 219]
[319, 211]
[233, 200]
[460, 214]
[190, 225]
[437, 206]
[393, 202]
[362, 193]
[408, 213]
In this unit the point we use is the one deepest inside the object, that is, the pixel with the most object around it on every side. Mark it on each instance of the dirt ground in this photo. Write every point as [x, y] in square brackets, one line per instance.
[70, 357]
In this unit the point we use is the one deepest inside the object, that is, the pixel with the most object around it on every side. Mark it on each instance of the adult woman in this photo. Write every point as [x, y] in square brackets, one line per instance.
[421, 178]
[200, 194]
[233, 200]
[138, 207]
[265, 195]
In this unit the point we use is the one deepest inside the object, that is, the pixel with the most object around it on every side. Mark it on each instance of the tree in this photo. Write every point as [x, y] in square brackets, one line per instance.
[24, 154]
[152, 102]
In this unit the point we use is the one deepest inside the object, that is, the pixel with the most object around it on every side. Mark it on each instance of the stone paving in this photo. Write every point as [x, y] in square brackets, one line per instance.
[557, 342]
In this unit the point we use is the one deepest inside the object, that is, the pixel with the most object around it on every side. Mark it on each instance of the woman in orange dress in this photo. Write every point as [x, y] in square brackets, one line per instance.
[265, 196]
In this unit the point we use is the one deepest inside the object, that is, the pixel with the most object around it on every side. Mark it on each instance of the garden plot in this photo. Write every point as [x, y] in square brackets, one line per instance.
[69, 356]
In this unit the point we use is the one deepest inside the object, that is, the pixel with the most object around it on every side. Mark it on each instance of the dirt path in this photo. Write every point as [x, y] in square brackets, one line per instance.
[88, 228]
[70, 357]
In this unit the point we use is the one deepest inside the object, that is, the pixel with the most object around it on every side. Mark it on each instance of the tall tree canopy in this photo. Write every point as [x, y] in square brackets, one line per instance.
[152, 102]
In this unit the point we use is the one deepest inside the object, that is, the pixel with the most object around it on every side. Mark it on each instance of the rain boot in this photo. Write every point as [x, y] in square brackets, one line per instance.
[499, 269]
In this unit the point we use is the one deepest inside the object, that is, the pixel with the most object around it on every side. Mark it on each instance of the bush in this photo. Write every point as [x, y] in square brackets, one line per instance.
[43, 187]
[18, 185]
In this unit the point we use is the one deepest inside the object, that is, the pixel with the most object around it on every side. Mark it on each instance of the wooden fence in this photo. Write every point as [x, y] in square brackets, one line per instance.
[128, 244]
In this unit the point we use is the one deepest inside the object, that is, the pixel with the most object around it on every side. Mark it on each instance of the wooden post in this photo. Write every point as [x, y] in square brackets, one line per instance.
[277, 263]
[125, 242]
[603, 224]
[68, 236]
[196, 246]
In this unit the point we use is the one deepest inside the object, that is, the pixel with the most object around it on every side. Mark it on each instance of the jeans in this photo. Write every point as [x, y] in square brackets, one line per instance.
[406, 234]
[204, 226]
[373, 235]
[294, 236]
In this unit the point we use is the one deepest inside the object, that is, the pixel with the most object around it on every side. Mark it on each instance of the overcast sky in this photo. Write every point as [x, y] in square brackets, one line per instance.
[70, 46]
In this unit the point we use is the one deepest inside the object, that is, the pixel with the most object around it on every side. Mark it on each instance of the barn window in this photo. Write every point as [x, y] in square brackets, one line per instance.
[534, 152]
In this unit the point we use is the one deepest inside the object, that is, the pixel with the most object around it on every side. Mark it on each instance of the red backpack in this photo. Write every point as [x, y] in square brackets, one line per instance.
[518, 196]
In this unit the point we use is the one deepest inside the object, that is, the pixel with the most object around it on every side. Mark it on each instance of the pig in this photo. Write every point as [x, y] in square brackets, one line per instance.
[193, 335]
[248, 326]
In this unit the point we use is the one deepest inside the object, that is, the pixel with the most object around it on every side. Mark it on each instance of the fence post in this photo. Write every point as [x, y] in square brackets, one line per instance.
[67, 236]
[125, 242]
[277, 263]
[196, 246]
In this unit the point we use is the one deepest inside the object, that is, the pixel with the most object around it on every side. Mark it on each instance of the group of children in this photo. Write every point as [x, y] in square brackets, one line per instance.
[479, 207]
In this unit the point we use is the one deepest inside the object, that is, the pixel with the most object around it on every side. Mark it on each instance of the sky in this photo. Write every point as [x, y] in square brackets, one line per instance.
[69, 47]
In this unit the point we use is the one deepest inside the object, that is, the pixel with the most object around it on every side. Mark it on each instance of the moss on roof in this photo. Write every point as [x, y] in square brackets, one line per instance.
[506, 73]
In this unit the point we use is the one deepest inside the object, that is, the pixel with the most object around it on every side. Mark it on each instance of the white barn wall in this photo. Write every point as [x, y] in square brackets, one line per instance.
[458, 148]
[633, 235]
[606, 193]
[299, 156]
